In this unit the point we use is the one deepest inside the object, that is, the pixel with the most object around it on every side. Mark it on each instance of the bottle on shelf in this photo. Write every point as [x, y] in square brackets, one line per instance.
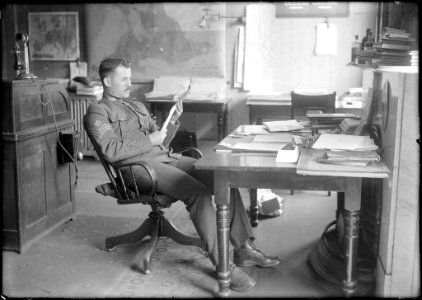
[369, 43]
[365, 38]
[356, 45]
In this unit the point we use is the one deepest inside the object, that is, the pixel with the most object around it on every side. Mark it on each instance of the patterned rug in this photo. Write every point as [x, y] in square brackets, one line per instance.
[72, 262]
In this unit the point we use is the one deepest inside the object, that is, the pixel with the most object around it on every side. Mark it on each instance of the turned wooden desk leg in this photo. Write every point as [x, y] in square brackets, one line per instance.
[222, 202]
[220, 127]
[222, 122]
[351, 235]
[223, 228]
[340, 204]
[351, 216]
[253, 208]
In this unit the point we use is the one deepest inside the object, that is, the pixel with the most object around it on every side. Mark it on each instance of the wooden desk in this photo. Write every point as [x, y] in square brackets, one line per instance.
[257, 170]
[278, 108]
[268, 108]
[160, 108]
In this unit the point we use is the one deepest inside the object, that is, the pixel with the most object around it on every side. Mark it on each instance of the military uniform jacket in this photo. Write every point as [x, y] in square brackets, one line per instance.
[120, 130]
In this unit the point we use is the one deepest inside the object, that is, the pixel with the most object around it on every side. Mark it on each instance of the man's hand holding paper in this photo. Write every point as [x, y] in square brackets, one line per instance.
[158, 137]
[177, 112]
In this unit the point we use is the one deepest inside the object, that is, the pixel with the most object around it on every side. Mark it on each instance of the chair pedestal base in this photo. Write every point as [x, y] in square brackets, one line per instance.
[155, 226]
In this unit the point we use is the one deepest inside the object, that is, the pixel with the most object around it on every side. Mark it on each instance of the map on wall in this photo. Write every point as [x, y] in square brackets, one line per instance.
[158, 38]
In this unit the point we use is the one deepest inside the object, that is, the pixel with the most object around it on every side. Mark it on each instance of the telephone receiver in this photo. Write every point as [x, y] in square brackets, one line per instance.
[84, 80]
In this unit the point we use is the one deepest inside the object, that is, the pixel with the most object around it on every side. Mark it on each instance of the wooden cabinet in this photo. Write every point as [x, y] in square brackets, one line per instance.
[38, 192]
[397, 113]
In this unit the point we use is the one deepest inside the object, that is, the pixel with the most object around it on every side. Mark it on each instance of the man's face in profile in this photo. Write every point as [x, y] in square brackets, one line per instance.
[119, 82]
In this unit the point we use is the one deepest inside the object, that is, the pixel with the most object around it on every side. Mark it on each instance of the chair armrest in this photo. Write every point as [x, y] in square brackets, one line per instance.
[190, 148]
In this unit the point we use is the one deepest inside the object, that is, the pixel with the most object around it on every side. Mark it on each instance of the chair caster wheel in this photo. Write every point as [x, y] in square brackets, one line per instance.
[111, 250]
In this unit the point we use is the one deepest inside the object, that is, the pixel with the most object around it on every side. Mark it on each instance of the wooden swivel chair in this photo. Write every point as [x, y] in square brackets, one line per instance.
[303, 103]
[156, 225]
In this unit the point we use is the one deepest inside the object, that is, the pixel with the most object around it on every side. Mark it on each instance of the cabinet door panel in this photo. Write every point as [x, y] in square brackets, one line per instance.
[32, 188]
[9, 190]
[57, 176]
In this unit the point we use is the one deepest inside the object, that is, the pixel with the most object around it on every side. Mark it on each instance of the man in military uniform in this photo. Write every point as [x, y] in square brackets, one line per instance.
[124, 132]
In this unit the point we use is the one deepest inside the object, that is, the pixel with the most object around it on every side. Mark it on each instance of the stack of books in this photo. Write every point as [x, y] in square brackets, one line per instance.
[349, 125]
[393, 48]
[350, 150]
[93, 90]
[414, 60]
[285, 125]
[350, 157]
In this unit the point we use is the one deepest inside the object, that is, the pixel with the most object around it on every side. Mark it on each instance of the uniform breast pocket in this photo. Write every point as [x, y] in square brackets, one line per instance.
[128, 127]
[120, 125]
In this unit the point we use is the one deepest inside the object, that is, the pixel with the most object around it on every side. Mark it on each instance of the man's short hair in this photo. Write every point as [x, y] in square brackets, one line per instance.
[109, 64]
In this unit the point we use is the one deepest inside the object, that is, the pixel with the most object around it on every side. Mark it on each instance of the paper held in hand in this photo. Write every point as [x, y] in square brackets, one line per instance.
[167, 121]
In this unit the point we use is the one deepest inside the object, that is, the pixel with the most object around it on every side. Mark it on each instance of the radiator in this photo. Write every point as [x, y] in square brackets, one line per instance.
[78, 110]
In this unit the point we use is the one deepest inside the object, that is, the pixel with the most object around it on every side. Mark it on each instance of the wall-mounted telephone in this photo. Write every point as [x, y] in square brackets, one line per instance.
[68, 148]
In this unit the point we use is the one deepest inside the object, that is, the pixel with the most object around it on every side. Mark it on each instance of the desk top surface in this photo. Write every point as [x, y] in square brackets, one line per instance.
[217, 101]
[266, 162]
[272, 100]
[268, 102]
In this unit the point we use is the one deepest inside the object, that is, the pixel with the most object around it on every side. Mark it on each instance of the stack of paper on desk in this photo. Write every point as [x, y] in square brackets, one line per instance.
[344, 142]
[252, 129]
[273, 138]
[288, 154]
[348, 150]
[309, 164]
[365, 155]
[258, 147]
[350, 157]
[286, 125]
[168, 87]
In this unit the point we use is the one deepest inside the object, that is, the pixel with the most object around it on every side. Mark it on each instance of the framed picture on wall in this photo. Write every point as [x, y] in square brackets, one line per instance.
[53, 35]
